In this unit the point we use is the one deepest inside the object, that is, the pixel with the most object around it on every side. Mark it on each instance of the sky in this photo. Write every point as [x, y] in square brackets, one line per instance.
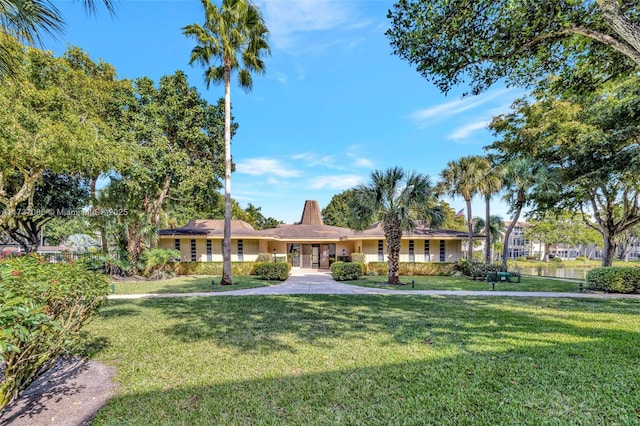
[334, 104]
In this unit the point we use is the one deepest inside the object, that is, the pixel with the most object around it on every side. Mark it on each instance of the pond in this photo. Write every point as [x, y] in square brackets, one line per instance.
[557, 272]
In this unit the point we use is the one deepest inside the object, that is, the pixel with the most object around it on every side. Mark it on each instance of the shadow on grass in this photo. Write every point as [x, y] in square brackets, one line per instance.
[258, 323]
[492, 387]
[408, 360]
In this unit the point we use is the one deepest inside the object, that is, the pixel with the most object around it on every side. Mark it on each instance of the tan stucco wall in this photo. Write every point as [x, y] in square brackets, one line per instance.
[251, 249]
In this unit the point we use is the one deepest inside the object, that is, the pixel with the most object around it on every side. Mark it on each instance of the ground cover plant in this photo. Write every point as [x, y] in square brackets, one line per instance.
[187, 284]
[331, 359]
[422, 282]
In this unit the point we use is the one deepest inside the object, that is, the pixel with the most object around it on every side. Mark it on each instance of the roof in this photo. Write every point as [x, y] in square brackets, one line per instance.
[311, 227]
[420, 230]
[306, 232]
[239, 228]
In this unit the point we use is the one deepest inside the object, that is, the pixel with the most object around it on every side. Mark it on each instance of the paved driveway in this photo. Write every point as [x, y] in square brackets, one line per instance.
[313, 282]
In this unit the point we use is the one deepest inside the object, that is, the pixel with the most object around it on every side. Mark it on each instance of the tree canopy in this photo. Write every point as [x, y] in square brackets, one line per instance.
[591, 143]
[479, 42]
[58, 114]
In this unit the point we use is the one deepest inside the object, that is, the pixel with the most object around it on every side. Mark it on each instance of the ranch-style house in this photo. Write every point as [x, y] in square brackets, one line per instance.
[310, 244]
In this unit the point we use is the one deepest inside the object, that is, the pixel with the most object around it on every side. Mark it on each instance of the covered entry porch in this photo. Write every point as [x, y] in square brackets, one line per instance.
[311, 255]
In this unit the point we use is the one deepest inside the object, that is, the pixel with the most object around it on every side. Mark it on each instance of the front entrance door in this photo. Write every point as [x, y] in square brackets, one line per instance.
[315, 255]
[324, 256]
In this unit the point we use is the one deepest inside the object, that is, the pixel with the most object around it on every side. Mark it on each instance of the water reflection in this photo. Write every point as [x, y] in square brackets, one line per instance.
[550, 271]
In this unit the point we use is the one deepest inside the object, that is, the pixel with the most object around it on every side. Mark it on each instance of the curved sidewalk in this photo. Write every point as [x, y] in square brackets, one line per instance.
[322, 283]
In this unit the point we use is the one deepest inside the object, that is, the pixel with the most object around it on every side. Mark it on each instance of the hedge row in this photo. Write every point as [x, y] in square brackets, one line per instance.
[343, 271]
[614, 279]
[413, 268]
[212, 268]
[249, 268]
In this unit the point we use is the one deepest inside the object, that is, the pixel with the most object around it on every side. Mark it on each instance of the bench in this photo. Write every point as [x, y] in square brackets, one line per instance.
[505, 277]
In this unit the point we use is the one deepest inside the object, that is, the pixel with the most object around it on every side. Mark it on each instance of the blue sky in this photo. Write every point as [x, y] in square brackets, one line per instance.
[333, 106]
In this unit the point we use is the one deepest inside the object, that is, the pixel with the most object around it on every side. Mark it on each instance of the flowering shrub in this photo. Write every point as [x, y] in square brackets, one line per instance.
[42, 309]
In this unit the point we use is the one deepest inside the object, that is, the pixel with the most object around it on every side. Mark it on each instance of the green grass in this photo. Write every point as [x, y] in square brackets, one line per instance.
[187, 284]
[325, 360]
[527, 283]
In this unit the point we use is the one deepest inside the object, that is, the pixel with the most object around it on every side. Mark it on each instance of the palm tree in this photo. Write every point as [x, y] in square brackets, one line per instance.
[396, 198]
[464, 178]
[28, 20]
[523, 176]
[493, 230]
[489, 185]
[233, 31]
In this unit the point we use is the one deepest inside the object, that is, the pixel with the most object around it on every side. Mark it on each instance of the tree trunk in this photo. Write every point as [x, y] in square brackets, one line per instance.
[469, 228]
[487, 230]
[226, 241]
[133, 247]
[621, 25]
[393, 234]
[608, 248]
[505, 248]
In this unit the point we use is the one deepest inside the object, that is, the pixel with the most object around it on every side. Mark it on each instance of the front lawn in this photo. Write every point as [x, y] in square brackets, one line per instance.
[527, 283]
[187, 284]
[330, 359]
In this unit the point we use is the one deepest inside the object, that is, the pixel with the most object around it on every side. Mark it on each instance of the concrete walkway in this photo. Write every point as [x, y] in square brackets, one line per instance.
[314, 282]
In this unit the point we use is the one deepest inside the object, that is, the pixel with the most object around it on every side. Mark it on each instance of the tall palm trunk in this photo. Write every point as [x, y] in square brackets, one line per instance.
[487, 229]
[470, 229]
[226, 241]
[393, 234]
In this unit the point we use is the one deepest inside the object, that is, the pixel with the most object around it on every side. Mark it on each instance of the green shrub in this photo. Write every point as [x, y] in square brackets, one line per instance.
[272, 270]
[212, 268]
[557, 259]
[264, 257]
[581, 258]
[465, 266]
[153, 261]
[358, 257]
[415, 268]
[43, 306]
[481, 269]
[614, 279]
[343, 271]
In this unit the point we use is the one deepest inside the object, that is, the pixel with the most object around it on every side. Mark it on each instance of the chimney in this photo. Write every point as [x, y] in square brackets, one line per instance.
[311, 214]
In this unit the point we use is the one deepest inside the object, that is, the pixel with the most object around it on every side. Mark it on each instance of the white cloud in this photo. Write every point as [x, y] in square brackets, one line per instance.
[288, 19]
[466, 130]
[362, 162]
[266, 166]
[312, 159]
[338, 182]
[424, 116]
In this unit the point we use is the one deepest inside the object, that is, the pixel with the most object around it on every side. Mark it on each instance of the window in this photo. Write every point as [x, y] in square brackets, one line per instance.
[193, 250]
[176, 244]
[442, 254]
[209, 251]
[412, 257]
[380, 250]
[240, 250]
[427, 255]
